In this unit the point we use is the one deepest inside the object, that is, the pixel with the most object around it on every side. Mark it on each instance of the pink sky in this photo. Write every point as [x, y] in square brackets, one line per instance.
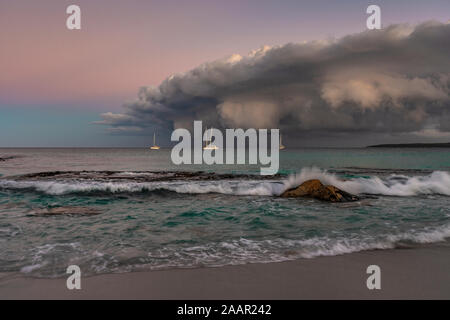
[124, 45]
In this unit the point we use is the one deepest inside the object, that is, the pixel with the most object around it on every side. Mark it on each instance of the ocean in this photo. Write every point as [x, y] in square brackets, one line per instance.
[144, 213]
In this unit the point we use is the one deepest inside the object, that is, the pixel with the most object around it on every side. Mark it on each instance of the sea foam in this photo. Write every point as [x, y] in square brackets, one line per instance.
[438, 182]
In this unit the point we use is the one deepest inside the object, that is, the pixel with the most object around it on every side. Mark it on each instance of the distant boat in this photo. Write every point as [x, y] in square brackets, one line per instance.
[281, 144]
[209, 145]
[154, 147]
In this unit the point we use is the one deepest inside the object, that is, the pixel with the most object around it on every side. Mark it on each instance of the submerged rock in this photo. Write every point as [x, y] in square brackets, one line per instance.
[137, 176]
[315, 189]
[7, 158]
[68, 210]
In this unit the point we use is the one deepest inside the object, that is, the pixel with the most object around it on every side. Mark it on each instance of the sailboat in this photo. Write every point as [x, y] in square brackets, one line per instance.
[209, 145]
[154, 147]
[281, 144]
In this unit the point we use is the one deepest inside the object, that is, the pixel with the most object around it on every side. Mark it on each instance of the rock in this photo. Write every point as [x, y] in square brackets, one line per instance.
[69, 210]
[315, 189]
[8, 158]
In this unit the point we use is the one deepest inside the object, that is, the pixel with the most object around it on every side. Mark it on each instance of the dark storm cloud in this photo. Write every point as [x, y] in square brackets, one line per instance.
[395, 80]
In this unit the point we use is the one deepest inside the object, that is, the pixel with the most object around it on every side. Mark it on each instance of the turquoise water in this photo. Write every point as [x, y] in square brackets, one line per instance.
[150, 221]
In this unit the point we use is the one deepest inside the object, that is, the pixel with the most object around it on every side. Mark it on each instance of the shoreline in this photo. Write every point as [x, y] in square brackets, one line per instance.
[410, 273]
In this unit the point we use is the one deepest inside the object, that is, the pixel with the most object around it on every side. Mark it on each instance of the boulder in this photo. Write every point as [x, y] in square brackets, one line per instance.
[4, 158]
[315, 189]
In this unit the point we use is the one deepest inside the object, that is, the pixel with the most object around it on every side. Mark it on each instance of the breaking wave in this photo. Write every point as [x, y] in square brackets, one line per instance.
[215, 254]
[438, 182]
[223, 187]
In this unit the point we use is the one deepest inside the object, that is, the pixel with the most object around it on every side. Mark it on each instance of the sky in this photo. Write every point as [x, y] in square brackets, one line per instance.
[236, 64]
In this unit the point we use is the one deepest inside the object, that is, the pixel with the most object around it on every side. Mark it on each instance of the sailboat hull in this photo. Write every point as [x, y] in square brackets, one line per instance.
[154, 147]
[211, 148]
[209, 145]
[281, 144]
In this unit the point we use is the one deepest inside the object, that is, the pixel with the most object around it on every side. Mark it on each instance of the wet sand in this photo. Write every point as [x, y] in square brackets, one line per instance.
[418, 273]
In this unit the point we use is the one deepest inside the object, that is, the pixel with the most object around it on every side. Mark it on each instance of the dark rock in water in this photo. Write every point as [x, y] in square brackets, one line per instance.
[139, 176]
[69, 211]
[315, 189]
[7, 158]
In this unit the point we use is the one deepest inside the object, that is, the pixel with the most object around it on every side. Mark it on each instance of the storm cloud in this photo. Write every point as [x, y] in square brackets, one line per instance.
[390, 81]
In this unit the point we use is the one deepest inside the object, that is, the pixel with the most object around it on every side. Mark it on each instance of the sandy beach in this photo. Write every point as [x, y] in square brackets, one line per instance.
[418, 273]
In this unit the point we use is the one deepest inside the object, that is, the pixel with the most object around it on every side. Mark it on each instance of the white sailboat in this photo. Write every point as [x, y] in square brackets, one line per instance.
[154, 147]
[209, 145]
[281, 144]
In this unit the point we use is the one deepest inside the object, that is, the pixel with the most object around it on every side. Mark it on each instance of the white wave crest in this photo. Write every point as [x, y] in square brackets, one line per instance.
[437, 182]
[189, 187]
[230, 252]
